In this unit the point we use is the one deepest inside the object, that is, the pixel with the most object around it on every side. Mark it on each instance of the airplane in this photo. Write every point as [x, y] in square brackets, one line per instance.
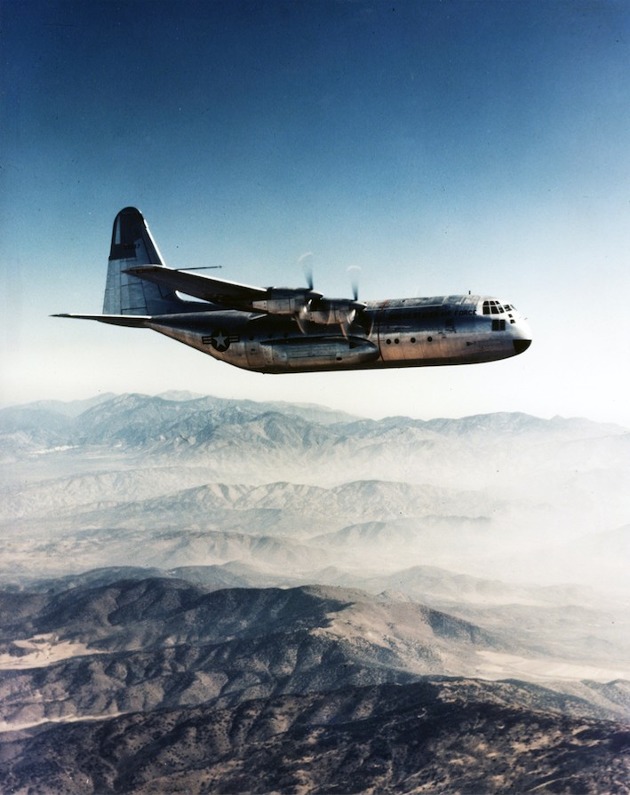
[290, 330]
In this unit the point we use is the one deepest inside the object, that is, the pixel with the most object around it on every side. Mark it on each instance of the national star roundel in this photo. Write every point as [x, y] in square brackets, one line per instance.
[220, 341]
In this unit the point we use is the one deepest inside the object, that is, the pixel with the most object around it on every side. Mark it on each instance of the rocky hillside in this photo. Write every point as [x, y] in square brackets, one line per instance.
[203, 595]
[438, 736]
[150, 644]
[160, 686]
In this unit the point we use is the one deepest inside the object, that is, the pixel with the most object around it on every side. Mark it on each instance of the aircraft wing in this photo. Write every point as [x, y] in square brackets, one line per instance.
[302, 303]
[217, 291]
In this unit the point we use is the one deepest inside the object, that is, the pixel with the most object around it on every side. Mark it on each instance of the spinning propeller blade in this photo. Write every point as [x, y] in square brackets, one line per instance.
[355, 270]
[306, 261]
[327, 311]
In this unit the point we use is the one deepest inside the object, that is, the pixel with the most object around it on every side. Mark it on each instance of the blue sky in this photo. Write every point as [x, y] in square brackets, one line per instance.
[440, 146]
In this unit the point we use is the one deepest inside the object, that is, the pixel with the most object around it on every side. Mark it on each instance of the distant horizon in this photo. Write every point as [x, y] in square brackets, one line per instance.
[176, 395]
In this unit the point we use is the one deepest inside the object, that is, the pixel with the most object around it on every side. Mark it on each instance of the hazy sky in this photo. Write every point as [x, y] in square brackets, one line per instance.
[442, 146]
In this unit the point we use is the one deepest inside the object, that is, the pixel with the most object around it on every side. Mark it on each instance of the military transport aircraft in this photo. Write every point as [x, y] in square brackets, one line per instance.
[288, 330]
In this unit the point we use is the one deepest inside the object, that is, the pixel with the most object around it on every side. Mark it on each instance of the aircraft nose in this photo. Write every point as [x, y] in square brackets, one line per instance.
[521, 345]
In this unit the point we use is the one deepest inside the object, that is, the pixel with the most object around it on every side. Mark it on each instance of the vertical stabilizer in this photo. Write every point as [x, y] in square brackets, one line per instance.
[132, 246]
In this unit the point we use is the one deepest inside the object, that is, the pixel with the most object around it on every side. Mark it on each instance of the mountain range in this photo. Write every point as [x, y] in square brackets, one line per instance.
[207, 595]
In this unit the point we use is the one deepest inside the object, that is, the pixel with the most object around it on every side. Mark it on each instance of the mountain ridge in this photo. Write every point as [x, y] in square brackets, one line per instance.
[82, 419]
[436, 735]
[185, 586]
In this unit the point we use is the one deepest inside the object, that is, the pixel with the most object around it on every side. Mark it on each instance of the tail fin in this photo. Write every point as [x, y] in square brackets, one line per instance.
[133, 245]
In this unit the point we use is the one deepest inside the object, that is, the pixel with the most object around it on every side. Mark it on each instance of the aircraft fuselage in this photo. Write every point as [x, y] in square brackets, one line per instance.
[409, 332]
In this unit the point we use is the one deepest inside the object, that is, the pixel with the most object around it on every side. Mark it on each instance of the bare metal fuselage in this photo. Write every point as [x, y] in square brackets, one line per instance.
[289, 330]
[410, 332]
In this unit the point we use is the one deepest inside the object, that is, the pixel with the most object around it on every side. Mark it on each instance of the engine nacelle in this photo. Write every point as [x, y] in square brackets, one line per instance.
[282, 301]
[279, 306]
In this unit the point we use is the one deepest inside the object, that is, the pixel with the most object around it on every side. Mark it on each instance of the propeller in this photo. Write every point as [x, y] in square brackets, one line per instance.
[355, 270]
[301, 316]
[367, 327]
[327, 311]
[306, 260]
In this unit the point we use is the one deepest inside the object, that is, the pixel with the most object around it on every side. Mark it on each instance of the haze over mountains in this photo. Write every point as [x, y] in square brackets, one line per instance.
[168, 562]
[481, 495]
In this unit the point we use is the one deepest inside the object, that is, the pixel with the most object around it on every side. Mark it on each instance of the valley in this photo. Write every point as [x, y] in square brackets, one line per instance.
[204, 595]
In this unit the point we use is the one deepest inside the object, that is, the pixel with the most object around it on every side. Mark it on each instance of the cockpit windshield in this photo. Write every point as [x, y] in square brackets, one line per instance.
[492, 307]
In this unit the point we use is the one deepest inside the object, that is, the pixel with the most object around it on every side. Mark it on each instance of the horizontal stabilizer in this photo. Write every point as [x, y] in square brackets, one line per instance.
[219, 291]
[135, 321]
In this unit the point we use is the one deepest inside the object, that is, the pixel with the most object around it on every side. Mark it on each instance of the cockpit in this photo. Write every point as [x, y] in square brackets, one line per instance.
[507, 312]
[493, 307]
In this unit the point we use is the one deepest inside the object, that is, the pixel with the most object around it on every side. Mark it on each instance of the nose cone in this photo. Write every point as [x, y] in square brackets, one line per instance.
[521, 345]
